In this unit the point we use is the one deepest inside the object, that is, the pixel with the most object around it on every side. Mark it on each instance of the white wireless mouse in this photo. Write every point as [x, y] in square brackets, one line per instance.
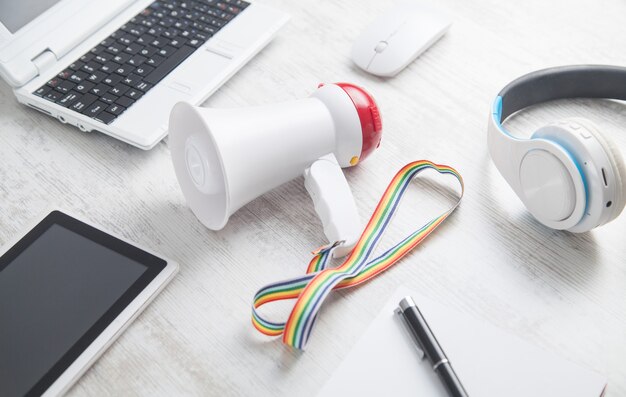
[397, 37]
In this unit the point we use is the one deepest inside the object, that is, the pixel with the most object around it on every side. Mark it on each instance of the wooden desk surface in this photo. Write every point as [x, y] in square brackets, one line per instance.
[563, 292]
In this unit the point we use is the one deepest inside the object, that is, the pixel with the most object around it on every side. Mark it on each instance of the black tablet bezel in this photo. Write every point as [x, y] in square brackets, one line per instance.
[154, 265]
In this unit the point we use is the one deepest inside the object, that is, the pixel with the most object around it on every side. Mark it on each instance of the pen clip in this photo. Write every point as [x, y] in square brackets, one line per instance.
[420, 352]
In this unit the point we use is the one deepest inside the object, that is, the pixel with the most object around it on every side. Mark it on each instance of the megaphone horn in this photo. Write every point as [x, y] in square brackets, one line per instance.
[225, 158]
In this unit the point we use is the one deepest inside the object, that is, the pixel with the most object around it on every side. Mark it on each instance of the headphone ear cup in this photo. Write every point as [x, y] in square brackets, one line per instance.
[615, 158]
[551, 185]
[595, 167]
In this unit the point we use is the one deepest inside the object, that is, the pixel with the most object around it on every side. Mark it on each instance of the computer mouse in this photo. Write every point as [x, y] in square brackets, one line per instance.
[397, 37]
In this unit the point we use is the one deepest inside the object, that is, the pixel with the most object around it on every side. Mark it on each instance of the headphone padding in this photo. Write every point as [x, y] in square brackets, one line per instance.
[615, 157]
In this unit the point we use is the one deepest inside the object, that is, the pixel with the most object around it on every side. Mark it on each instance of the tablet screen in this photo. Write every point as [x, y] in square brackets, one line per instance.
[60, 286]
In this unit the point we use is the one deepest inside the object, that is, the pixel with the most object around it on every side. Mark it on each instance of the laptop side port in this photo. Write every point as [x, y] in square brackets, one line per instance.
[38, 108]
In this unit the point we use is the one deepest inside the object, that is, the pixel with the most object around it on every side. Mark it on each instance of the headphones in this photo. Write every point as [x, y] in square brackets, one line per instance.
[568, 175]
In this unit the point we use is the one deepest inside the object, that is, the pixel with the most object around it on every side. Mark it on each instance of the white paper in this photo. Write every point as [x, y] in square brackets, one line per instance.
[487, 360]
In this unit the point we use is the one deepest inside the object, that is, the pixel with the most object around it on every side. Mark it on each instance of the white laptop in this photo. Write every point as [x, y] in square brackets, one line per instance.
[118, 66]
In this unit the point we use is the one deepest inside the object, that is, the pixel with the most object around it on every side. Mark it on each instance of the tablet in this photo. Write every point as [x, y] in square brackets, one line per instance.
[67, 290]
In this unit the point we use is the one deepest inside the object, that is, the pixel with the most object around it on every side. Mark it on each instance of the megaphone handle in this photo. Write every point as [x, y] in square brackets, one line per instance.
[334, 203]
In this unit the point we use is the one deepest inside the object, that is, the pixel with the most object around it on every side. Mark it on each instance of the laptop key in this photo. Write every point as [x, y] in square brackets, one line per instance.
[137, 60]
[65, 86]
[181, 24]
[128, 26]
[133, 48]
[108, 98]
[83, 102]
[148, 51]
[122, 58]
[96, 77]
[216, 22]
[137, 30]
[166, 51]
[107, 42]
[79, 76]
[84, 87]
[125, 101]
[167, 22]
[155, 60]
[53, 96]
[144, 39]
[109, 67]
[158, 42]
[127, 39]
[178, 42]
[226, 16]
[112, 80]
[76, 65]
[131, 79]
[169, 64]
[53, 83]
[198, 25]
[97, 50]
[105, 117]
[210, 12]
[41, 91]
[134, 94]
[115, 48]
[143, 70]
[143, 86]
[69, 99]
[100, 89]
[90, 67]
[195, 43]
[94, 109]
[119, 89]
[202, 37]
[156, 31]
[87, 57]
[103, 58]
[124, 70]
[148, 22]
[171, 33]
[65, 74]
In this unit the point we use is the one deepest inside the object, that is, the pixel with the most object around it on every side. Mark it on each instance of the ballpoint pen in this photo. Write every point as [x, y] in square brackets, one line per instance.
[425, 338]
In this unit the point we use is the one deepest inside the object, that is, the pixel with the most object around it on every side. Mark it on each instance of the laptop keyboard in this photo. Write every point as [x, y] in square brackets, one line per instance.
[113, 75]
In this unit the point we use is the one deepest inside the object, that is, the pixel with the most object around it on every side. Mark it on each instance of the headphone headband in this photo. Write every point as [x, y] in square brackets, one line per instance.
[563, 82]
[559, 168]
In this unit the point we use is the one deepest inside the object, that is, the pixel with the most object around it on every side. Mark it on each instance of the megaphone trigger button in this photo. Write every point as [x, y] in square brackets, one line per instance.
[354, 160]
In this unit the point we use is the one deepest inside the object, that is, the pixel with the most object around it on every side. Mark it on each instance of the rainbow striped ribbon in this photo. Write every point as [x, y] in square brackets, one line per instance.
[312, 289]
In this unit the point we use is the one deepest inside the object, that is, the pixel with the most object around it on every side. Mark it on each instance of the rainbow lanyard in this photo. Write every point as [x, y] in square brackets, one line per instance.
[312, 289]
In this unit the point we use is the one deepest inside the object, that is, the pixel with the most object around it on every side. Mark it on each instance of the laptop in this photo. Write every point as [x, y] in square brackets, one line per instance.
[119, 66]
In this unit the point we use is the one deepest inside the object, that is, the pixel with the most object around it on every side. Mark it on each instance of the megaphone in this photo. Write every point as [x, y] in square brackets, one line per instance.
[225, 158]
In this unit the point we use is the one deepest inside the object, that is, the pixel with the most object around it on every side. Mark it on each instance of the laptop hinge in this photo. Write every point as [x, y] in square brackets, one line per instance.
[44, 60]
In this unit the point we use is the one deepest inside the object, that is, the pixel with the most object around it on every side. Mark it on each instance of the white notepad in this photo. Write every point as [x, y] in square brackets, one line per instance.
[488, 361]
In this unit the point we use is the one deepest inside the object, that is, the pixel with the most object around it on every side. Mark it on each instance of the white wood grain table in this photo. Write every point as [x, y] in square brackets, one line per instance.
[563, 292]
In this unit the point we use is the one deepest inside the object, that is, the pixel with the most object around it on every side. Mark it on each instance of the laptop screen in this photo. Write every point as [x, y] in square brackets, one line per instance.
[14, 14]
